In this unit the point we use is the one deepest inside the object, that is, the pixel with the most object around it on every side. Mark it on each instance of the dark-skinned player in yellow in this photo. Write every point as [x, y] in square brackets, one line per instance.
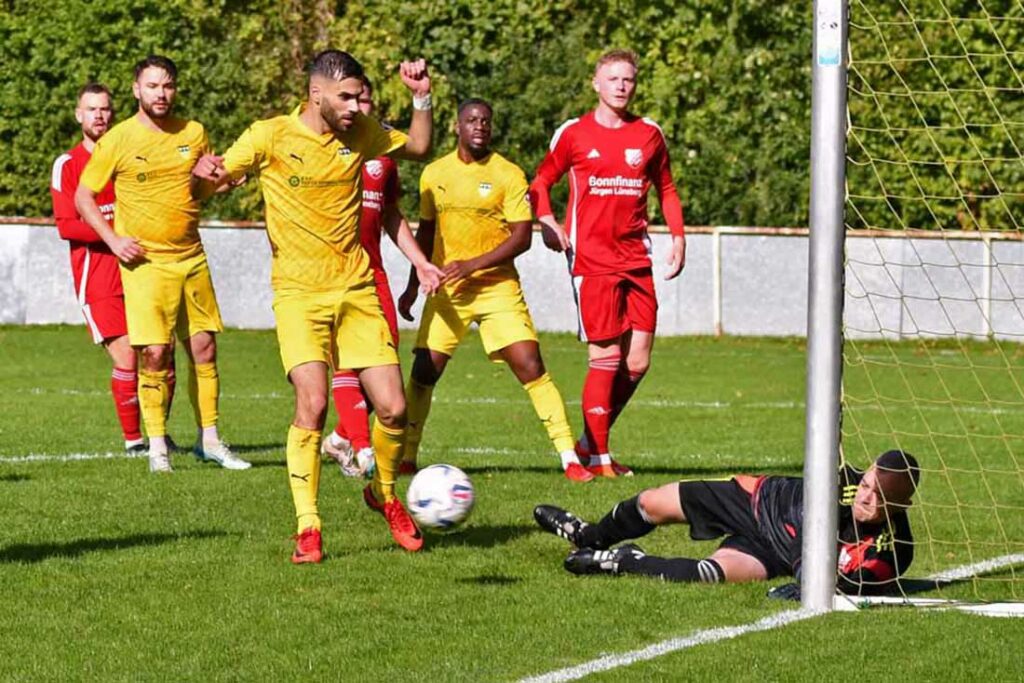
[474, 220]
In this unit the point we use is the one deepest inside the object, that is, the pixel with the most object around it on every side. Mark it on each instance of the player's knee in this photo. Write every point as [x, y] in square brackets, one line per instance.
[529, 369]
[638, 364]
[392, 413]
[204, 347]
[311, 410]
[156, 357]
[660, 505]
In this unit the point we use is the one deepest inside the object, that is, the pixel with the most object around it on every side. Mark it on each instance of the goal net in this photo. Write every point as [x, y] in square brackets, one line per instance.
[934, 292]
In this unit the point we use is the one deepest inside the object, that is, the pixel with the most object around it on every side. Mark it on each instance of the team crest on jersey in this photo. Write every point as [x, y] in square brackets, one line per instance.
[374, 168]
[344, 151]
[484, 189]
[634, 157]
[183, 150]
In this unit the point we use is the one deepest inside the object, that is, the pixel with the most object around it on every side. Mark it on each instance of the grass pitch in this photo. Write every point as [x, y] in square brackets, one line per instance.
[111, 573]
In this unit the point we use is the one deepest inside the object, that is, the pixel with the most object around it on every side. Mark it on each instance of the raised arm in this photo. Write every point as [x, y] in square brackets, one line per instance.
[421, 130]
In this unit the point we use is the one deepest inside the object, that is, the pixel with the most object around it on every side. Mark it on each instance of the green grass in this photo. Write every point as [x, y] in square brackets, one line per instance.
[111, 573]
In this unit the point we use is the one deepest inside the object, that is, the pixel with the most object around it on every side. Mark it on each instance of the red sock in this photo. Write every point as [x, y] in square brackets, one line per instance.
[597, 402]
[170, 386]
[353, 419]
[625, 386]
[124, 385]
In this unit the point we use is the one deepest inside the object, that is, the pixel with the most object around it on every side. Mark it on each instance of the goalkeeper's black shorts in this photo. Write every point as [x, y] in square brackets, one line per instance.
[723, 508]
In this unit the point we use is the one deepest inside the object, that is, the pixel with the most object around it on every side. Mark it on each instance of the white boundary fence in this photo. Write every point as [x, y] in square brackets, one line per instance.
[738, 280]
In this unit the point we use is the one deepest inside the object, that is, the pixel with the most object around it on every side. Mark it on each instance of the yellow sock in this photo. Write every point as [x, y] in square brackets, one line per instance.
[303, 456]
[153, 393]
[204, 392]
[417, 408]
[387, 451]
[551, 410]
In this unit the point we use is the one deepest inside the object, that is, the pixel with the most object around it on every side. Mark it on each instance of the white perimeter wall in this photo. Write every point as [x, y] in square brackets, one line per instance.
[737, 281]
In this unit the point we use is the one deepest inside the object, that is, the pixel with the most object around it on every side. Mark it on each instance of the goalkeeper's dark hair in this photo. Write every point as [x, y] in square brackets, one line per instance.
[94, 88]
[336, 65]
[469, 102]
[158, 61]
[901, 469]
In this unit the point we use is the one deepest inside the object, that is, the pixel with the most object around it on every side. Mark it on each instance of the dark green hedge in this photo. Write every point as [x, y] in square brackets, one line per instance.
[936, 113]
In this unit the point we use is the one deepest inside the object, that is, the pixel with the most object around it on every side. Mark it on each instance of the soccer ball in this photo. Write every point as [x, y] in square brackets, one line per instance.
[440, 497]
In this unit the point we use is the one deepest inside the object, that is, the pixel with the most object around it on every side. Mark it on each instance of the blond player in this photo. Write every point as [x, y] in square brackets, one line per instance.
[474, 220]
[326, 307]
[164, 272]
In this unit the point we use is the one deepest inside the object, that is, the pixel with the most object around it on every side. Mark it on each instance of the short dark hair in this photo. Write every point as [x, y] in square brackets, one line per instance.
[158, 61]
[367, 83]
[901, 468]
[472, 101]
[336, 65]
[94, 88]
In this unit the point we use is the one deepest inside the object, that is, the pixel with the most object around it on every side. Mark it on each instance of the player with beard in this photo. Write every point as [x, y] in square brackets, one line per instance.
[474, 221]
[349, 442]
[94, 268]
[328, 315]
[761, 518]
[613, 159]
[164, 271]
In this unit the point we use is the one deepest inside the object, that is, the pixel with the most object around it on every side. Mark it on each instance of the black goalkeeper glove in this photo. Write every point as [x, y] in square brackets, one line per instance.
[789, 591]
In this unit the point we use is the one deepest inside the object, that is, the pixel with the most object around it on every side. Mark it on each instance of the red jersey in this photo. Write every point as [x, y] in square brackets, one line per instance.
[93, 266]
[380, 188]
[611, 170]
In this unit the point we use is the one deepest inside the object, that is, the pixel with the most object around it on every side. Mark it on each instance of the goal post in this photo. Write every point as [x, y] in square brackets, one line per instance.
[825, 303]
[916, 285]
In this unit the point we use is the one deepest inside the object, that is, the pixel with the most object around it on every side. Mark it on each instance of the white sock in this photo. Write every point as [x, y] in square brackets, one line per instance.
[158, 443]
[335, 439]
[134, 442]
[209, 434]
[568, 458]
[601, 459]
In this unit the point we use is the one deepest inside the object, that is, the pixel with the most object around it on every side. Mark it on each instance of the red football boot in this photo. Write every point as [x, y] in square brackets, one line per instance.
[308, 547]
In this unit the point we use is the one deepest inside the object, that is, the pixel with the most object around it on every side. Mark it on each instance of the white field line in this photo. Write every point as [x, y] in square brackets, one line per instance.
[665, 647]
[649, 403]
[68, 457]
[775, 621]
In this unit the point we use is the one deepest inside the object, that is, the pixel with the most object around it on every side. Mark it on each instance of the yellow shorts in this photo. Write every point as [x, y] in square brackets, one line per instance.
[161, 298]
[345, 328]
[499, 309]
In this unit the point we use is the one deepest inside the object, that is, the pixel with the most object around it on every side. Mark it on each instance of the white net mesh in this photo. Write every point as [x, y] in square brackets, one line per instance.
[934, 321]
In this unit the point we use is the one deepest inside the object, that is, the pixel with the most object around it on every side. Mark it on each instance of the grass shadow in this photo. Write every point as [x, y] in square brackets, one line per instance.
[481, 536]
[30, 553]
[490, 580]
[674, 472]
[14, 477]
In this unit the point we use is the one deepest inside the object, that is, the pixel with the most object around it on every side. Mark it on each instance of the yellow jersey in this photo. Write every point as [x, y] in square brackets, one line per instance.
[312, 186]
[473, 204]
[152, 170]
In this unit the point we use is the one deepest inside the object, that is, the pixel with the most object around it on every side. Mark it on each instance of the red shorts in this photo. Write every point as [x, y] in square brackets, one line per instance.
[105, 318]
[387, 304]
[610, 305]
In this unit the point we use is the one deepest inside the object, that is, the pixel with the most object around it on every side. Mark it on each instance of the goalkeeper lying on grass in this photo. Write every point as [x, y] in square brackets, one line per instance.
[761, 518]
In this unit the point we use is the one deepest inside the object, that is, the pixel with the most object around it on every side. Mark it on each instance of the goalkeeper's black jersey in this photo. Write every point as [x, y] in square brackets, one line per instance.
[869, 554]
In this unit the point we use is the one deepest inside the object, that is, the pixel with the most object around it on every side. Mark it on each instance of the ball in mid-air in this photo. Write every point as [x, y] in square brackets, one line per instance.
[440, 497]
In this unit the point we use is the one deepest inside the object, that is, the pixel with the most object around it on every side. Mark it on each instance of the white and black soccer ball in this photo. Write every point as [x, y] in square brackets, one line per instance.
[440, 497]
